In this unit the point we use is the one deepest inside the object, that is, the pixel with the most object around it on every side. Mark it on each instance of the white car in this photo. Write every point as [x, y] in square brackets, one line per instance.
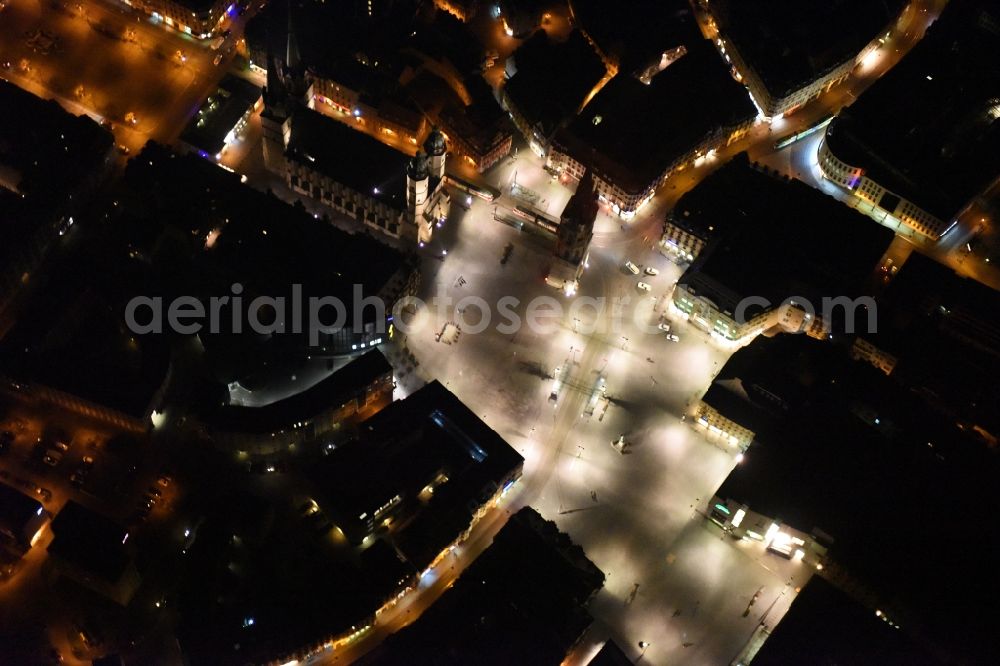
[673, 338]
[632, 268]
[664, 327]
[652, 271]
[643, 286]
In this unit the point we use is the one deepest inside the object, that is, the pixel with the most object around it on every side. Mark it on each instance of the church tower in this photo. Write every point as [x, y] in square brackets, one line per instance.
[437, 151]
[417, 192]
[286, 86]
[576, 224]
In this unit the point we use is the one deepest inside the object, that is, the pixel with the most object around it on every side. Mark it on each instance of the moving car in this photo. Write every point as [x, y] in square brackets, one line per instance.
[652, 271]
[632, 268]
[643, 286]
[673, 338]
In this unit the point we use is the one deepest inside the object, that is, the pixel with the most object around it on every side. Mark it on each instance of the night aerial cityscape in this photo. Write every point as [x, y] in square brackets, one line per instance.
[499, 332]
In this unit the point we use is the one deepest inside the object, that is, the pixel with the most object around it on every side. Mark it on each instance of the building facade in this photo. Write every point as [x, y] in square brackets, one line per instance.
[381, 118]
[777, 92]
[626, 200]
[740, 328]
[199, 18]
[884, 204]
[685, 242]
[354, 392]
[742, 522]
[863, 350]
[718, 425]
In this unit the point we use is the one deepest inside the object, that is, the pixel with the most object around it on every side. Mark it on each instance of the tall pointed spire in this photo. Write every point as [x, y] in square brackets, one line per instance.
[292, 56]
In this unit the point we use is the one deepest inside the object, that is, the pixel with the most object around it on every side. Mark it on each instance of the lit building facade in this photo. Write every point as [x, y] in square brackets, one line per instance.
[782, 71]
[775, 104]
[725, 430]
[739, 328]
[354, 392]
[884, 204]
[383, 118]
[683, 241]
[863, 350]
[742, 522]
[463, 10]
[364, 179]
[199, 18]
[634, 135]
[625, 199]
[480, 133]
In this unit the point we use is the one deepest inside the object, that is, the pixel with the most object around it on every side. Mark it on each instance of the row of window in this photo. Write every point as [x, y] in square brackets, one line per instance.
[346, 205]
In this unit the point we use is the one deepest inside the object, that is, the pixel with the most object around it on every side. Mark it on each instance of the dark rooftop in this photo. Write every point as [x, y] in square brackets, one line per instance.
[71, 334]
[631, 132]
[46, 154]
[493, 616]
[825, 626]
[778, 373]
[90, 541]
[330, 393]
[282, 558]
[610, 655]
[257, 231]
[205, 231]
[16, 511]
[945, 150]
[50, 149]
[357, 76]
[779, 240]
[349, 157]
[638, 32]
[864, 461]
[402, 449]
[483, 124]
[553, 78]
[217, 117]
[944, 331]
[733, 402]
[791, 43]
[445, 37]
